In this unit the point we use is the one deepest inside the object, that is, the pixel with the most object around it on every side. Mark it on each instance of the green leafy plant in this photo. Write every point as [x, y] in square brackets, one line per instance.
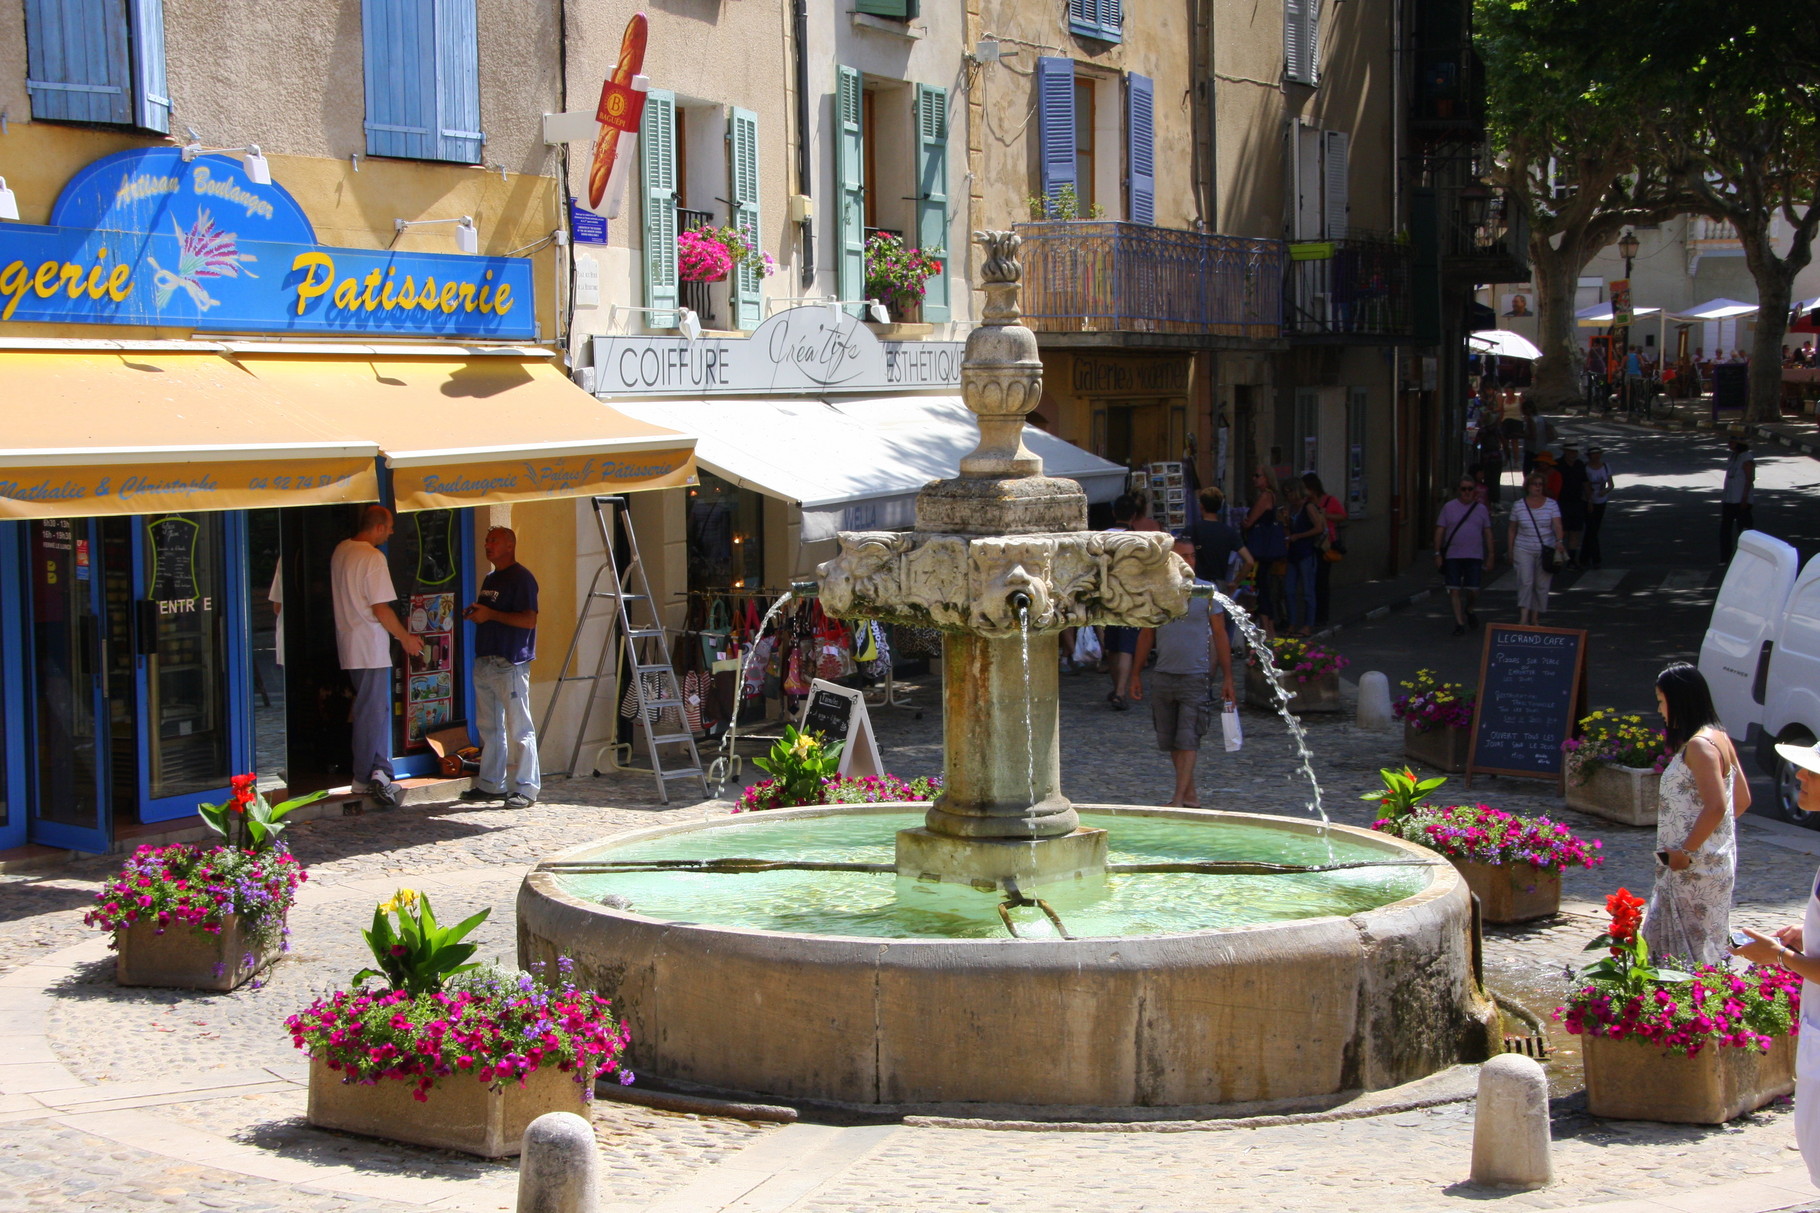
[897, 276]
[1402, 791]
[1063, 207]
[797, 765]
[244, 820]
[418, 956]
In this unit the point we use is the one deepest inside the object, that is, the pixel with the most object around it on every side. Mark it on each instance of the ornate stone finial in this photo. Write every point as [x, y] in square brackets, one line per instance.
[999, 276]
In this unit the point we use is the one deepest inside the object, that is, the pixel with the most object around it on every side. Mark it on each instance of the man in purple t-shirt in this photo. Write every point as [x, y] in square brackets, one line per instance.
[1463, 548]
[505, 641]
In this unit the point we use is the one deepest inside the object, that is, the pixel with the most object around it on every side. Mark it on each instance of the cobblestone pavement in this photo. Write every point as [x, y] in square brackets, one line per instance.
[113, 1098]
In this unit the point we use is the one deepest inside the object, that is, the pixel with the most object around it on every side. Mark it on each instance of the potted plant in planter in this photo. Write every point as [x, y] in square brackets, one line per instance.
[803, 772]
[1699, 1047]
[897, 276]
[448, 1053]
[206, 918]
[1614, 768]
[1437, 721]
[1311, 675]
[1512, 864]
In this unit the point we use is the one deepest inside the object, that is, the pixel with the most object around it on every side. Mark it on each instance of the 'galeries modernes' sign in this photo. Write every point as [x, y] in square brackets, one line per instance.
[803, 350]
[148, 238]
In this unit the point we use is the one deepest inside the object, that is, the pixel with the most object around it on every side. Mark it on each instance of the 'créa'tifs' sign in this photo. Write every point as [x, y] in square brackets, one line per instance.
[147, 238]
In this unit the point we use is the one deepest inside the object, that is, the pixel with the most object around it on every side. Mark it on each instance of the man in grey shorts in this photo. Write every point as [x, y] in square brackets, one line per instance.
[1181, 690]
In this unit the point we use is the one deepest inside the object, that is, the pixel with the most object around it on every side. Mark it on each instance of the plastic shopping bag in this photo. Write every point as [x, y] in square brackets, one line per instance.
[1230, 729]
[1086, 645]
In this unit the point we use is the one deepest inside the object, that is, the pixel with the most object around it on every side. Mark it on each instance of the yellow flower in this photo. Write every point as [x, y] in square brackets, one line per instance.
[804, 745]
[402, 899]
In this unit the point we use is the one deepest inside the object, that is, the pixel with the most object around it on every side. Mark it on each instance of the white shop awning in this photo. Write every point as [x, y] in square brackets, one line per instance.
[1599, 315]
[1715, 309]
[852, 464]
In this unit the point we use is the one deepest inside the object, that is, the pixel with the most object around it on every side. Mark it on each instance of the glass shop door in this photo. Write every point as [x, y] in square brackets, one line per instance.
[70, 752]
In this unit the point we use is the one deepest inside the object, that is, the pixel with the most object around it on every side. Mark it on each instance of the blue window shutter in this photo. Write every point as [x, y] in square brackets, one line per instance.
[151, 97]
[850, 185]
[1140, 134]
[657, 151]
[742, 155]
[1055, 123]
[1102, 19]
[77, 60]
[932, 194]
[399, 43]
[458, 133]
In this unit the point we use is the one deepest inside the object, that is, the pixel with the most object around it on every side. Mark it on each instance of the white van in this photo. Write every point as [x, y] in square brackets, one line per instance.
[1761, 657]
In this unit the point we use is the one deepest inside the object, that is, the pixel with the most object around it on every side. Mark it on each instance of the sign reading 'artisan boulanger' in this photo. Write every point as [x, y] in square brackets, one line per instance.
[146, 238]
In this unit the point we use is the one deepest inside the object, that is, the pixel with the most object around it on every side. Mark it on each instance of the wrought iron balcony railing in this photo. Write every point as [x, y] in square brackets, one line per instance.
[1094, 276]
[1356, 289]
[1486, 235]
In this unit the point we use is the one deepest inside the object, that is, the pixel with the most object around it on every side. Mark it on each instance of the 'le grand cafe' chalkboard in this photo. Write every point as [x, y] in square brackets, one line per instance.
[1532, 688]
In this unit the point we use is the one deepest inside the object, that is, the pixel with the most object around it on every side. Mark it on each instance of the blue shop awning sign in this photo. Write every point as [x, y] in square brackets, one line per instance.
[146, 238]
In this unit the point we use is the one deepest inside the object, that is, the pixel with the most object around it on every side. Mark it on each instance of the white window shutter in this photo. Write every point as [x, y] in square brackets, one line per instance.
[1334, 197]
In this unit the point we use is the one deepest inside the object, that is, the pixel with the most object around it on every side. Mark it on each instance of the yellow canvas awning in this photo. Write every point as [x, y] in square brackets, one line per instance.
[92, 431]
[465, 432]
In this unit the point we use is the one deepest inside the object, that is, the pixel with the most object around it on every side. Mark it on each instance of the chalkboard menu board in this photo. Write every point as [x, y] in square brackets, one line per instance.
[839, 714]
[1532, 687]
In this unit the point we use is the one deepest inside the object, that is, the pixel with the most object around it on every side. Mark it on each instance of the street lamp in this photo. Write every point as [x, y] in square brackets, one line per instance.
[1627, 249]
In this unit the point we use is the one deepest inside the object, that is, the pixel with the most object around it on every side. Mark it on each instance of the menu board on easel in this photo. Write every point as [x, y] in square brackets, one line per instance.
[1532, 688]
[839, 714]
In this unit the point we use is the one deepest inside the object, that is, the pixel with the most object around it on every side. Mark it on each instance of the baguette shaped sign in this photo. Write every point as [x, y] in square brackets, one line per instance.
[146, 238]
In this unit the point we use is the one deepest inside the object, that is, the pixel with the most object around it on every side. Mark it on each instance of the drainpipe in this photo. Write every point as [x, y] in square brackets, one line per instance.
[799, 22]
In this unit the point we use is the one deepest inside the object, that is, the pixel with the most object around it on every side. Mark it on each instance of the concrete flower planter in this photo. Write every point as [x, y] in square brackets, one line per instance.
[1632, 1079]
[460, 1113]
[189, 959]
[1631, 795]
[1319, 695]
[1512, 892]
[1444, 749]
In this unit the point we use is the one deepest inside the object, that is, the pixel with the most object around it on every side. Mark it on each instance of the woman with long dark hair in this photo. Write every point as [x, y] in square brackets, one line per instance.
[1703, 789]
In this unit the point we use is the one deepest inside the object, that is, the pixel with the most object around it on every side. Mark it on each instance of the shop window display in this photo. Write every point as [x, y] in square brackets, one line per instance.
[726, 536]
[424, 557]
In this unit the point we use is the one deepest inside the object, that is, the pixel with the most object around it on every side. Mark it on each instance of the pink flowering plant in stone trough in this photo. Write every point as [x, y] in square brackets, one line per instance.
[440, 1016]
[1433, 704]
[1476, 833]
[1301, 660]
[1626, 993]
[844, 789]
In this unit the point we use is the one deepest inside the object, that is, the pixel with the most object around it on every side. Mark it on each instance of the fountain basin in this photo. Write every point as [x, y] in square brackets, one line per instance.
[1267, 1010]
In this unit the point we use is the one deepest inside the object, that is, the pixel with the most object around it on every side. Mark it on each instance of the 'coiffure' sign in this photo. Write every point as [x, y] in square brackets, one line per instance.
[803, 350]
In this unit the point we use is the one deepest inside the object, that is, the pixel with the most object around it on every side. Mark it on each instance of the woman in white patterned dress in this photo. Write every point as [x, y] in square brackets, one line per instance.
[1703, 789]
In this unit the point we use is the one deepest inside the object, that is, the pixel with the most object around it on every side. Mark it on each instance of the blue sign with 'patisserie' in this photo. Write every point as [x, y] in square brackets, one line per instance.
[148, 238]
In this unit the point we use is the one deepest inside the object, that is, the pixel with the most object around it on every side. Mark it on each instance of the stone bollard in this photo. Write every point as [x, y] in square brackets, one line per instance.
[559, 1171]
[1374, 702]
[1510, 1144]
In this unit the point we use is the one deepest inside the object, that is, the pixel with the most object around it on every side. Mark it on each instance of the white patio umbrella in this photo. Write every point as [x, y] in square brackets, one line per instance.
[1504, 343]
[1715, 309]
[1598, 316]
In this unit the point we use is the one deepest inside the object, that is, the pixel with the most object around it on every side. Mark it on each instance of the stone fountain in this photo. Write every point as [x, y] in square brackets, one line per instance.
[775, 953]
[1001, 561]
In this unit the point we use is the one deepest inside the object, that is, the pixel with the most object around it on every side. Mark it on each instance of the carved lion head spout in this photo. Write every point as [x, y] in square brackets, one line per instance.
[1001, 263]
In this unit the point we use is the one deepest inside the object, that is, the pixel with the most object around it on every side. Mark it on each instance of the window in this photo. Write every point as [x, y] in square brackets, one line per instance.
[726, 549]
[742, 174]
[931, 115]
[850, 184]
[1322, 192]
[1140, 148]
[97, 61]
[422, 79]
[1102, 19]
[1056, 135]
[869, 151]
[901, 9]
[1083, 144]
[1302, 40]
[657, 162]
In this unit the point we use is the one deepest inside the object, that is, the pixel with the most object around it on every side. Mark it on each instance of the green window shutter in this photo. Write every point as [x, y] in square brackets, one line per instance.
[932, 194]
[850, 184]
[742, 154]
[886, 8]
[657, 151]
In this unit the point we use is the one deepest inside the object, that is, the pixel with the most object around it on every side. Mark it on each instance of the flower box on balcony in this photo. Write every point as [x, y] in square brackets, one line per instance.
[459, 1113]
[1636, 1079]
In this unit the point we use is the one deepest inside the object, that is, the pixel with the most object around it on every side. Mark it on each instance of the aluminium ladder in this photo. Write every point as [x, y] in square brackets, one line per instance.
[627, 647]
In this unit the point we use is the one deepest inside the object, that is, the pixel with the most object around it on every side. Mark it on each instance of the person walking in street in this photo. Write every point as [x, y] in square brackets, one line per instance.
[1737, 498]
[1535, 536]
[1797, 949]
[1331, 511]
[1571, 497]
[1703, 789]
[1264, 539]
[1463, 551]
[1216, 543]
[1188, 651]
[505, 641]
[1599, 483]
[1304, 529]
[1118, 643]
[365, 625]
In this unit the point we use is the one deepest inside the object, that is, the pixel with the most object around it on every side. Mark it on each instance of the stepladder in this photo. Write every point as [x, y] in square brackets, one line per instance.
[633, 651]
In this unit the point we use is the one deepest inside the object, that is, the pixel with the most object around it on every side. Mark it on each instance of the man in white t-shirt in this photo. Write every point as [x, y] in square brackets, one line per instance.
[361, 584]
[1737, 498]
